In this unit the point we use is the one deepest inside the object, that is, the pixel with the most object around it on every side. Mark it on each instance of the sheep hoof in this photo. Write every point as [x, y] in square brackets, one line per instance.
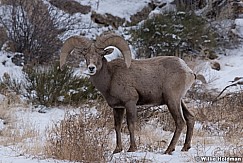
[132, 149]
[117, 150]
[186, 148]
[169, 151]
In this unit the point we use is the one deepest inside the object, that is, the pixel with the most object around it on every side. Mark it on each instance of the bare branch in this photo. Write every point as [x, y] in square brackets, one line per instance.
[235, 82]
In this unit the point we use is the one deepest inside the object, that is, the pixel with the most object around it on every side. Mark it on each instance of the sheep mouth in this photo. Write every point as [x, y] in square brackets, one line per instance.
[91, 72]
[87, 72]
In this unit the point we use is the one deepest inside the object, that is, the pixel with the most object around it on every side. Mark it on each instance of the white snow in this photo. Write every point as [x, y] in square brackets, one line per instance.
[1, 124]
[122, 9]
[231, 67]
[30, 117]
[238, 27]
[8, 155]
[155, 157]
[14, 154]
[8, 67]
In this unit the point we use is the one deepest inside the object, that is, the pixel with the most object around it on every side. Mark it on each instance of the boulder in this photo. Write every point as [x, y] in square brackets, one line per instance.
[215, 65]
[107, 19]
[71, 6]
[18, 59]
[144, 13]
[237, 8]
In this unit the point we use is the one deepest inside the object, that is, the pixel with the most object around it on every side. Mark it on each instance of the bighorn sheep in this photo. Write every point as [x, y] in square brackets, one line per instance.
[155, 81]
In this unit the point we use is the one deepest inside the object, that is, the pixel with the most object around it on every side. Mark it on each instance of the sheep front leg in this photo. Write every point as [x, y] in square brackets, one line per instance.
[131, 115]
[118, 117]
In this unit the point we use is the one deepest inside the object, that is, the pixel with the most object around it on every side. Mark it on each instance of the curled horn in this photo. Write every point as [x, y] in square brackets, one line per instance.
[112, 39]
[71, 43]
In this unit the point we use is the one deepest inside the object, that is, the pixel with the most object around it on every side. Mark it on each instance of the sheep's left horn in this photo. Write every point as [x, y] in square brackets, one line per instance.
[71, 43]
[112, 39]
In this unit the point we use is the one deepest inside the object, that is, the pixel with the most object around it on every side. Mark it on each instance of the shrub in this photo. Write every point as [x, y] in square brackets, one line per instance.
[81, 137]
[34, 27]
[51, 86]
[223, 118]
[8, 84]
[166, 34]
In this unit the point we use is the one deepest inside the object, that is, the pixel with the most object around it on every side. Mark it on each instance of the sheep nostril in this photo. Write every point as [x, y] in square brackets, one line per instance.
[91, 68]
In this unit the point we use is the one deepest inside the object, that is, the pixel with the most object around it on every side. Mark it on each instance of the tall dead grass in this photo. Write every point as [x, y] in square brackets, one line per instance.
[89, 136]
[17, 132]
[21, 135]
[222, 120]
[7, 101]
[81, 137]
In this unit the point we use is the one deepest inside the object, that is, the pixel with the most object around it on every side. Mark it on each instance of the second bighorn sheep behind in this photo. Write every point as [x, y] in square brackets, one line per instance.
[155, 81]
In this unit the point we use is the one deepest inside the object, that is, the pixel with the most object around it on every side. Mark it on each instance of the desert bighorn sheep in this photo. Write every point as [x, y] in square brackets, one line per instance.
[155, 81]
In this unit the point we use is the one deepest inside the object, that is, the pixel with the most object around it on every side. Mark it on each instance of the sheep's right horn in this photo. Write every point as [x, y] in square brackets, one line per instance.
[112, 39]
[78, 42]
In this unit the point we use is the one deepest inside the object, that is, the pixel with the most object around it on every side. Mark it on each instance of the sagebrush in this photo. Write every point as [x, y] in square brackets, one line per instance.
[51, 86]
[81, 137]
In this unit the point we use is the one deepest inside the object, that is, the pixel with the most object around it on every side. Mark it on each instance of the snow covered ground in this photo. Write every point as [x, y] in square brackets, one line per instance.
[30, 119]
[21, 152]
[231, 67]
[122, 9]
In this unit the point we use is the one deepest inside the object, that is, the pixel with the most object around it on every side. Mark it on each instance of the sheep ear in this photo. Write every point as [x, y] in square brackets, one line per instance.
[109, 51]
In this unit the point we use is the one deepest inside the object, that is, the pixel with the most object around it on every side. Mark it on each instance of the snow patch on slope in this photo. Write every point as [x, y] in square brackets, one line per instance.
[8, 67]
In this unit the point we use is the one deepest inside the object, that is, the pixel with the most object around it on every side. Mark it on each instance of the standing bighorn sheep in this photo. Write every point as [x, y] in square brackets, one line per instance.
[155, 81]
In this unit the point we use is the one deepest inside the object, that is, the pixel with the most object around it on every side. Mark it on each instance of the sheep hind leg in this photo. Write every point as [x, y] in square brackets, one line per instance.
[190, 121]
[175, 110]
[131, 115]
[118, 117]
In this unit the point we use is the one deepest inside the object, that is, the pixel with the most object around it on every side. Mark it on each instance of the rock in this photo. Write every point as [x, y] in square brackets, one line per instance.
[144, 13]
[237, 78]
[107, 19]
[209, 54]
[201, 78]
[114, 21]
[225, 9]
[215, 65]
[71, 6]
[237, 8]
[18, 59]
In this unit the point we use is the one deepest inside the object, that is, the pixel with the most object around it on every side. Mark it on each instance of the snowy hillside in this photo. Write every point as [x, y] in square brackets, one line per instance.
[26, 129]
[115, 7]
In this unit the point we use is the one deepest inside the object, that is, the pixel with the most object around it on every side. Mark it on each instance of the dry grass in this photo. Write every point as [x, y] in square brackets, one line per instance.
[91, 138]
[222, 123]
[5, 112]
[89, 135]
[5, 115]
[22, 136]
[160, 116]
[81, 137]
[17, 133]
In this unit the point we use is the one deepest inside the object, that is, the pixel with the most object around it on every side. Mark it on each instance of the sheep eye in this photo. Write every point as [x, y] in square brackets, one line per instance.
[100, 51]
[84, 51]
